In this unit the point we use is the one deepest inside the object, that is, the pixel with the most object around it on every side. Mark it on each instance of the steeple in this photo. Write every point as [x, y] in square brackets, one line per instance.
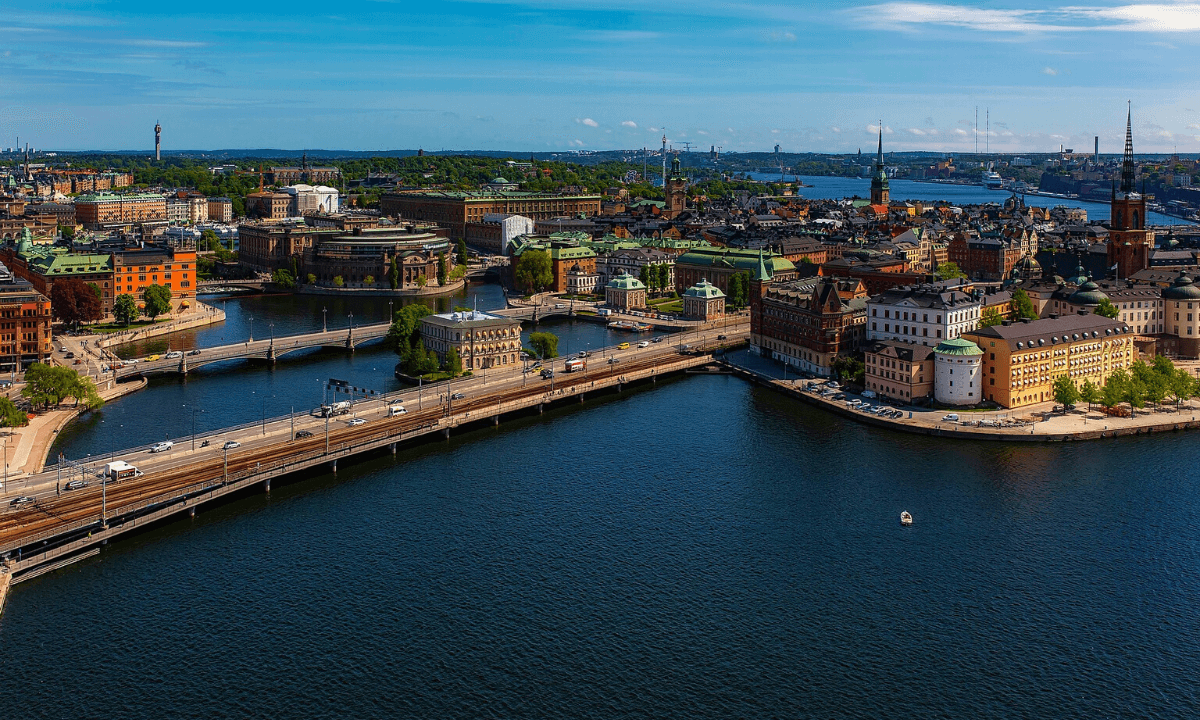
[879, 156]
[880, 194]
[1127, 166]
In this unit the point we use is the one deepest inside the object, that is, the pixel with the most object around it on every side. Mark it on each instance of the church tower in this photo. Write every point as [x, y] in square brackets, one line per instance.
[1129, 242]
[676, 191]
[880, 194]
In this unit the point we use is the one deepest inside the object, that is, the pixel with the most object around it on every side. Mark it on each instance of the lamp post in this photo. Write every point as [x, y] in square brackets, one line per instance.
[350, 321]
[324, 325]
[390, 317]
[251, 327]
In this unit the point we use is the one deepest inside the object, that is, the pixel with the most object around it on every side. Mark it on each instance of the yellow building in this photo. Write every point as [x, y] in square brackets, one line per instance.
[1021, 360]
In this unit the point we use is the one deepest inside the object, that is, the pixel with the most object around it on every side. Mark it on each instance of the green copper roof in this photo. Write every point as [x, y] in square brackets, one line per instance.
[958, 346]
[625, 281]
[704, 290]
[748, 260]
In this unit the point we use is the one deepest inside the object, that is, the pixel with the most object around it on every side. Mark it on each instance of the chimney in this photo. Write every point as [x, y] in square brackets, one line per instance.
[1006, 323]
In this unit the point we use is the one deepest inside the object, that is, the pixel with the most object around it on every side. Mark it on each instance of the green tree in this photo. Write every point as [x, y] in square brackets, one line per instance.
[644, 276]
[850, 369]
[990, 316]
[369, 280]
[454, 364]
[209, 240]
[546, 344]
[11, 415]
[1152, 380]
[533, 270]
[67, 232]
[394, 274]
[1116, 389]
[948, 271]
[441, 268]
[1022, 306]
[1065, 392]
[738, 294]
[664, 276]
[125, 309]
[157, 299]
[312, 279]
[422, 281]
[338, 281]
[1089, 393]
[1182, 385]
[462, 253]
[1107, 309]
[405, 331]
[46, 386]
[283, 279]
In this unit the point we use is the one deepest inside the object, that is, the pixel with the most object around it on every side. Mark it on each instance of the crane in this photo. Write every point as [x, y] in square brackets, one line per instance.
[260, 173]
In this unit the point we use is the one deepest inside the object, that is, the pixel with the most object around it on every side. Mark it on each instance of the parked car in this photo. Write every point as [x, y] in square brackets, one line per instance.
[300, 434]
[657, 339]
[355, 422]
[952, 417]
[22, 500]
[722, 337]
[162, 446]
[231, 444]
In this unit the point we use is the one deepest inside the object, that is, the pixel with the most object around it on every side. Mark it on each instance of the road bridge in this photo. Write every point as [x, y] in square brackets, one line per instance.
[56, 526]
[268, 349]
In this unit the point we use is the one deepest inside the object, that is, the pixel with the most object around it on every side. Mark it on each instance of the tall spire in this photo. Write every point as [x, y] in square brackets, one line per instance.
[879, 157]
[1127, 166]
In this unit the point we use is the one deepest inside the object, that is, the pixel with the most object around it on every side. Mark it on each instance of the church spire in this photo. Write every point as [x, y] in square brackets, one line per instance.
[1127, 166]
[880, 194]
[879, 157]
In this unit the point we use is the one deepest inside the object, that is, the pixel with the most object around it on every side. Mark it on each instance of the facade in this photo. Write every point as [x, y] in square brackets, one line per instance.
[897, 370]
[363, 258]
[703, 301]
[269, 205]
[41, 265]
[99, 212]
[717, 265]
[1022, 360]
[958, 366]
[565, 258]
[481, 339]
[220, 209]
[303, 174]
[267, 247]
[625, 292]
[1181, 306]
[136, 270]
[496, 232]
[454, 210]
[580, 281]
[307, 199]
[924, 314]
[632, 260]
[24, 323]
[807, 324]
[676, 192]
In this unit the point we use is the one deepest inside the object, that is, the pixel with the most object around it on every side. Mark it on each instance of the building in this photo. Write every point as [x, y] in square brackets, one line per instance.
[186, 208]
[924, 314]
[267, 247]
[703, 301]
[717, 265]
[957, 374]
[497, 231]
[24, 323]
[1181, 306]
[482, 340]
[625, 292]
[363, 258]
[897, 370]
[632, 260]
[880, 193]
[304, 174]
[1129, 242]
[676, 191]
[808, 324]
[41, 265]
[566, 258]
[136, 270]
[580, 281]
[308, 199]
[220, 209]
[454, 210]
[102, 212]
[1022, 360]
[269, 205]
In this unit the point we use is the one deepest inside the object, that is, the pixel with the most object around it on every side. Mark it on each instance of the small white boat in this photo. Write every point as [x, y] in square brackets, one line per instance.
[905, 518]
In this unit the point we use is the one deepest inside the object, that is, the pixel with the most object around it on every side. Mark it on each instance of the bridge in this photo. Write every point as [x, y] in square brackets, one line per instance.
[269, 350]
[257, 284]
[55, 526]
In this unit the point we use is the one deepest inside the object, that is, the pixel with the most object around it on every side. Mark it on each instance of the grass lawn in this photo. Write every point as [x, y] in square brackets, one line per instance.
[118, 327]
[672, 307]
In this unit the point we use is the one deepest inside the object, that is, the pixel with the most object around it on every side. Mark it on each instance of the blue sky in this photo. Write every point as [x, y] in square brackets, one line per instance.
[565, 74]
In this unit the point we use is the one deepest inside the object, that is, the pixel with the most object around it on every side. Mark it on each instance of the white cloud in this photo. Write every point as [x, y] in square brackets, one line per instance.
[587, 121]
[1049, 71]
[1164, 134]
[1181, 16]
[960, 132]
[630, 124]
[1193, 126]
[577, 143]
[874, 130]
[701, 132]
[836, 129]
[917, 131]
[781, 37]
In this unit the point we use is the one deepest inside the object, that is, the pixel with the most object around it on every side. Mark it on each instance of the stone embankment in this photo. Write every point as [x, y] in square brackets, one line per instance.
[202, 316]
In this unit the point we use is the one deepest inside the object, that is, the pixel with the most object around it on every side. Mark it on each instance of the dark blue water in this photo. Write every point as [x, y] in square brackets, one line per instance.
[836, 188]
[701, 549]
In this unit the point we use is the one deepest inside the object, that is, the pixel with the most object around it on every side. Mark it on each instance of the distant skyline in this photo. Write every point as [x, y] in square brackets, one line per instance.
[547, 75]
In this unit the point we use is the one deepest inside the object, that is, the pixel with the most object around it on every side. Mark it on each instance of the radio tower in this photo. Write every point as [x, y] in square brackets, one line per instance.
[664, 159]
[157, 141]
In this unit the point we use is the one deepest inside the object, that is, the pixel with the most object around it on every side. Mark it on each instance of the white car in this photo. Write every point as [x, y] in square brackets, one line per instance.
[162, 446]
[355, 422]
[173, 355]
[231, 444]
[644, 344]
[952, 417]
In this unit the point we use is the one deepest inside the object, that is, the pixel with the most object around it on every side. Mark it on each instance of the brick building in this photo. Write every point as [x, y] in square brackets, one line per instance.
[454, 210]
[100, 212]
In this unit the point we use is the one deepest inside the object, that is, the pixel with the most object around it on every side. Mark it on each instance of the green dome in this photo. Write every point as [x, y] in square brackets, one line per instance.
[1182, 289]
[625, 281]
[499, 181]
[704, 289]
[1080, 277]
[1088, 293]
[957, 346]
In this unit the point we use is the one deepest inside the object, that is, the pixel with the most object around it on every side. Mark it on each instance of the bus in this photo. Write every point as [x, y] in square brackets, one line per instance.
[574, 366]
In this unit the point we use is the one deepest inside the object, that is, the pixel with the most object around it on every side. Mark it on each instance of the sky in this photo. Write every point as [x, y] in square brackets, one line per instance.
[545, 75]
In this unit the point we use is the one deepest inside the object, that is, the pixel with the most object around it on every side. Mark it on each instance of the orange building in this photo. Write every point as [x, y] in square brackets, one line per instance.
[136, 270]
[24, 322]
[95, 212]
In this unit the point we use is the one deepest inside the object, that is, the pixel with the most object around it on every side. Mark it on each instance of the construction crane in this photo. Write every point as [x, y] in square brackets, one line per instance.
[687, 146]
[260, 173]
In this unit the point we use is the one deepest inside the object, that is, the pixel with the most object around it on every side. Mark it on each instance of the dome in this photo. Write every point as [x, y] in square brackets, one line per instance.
[625, 281]
[1089, 293]
[1080, 277]
[704, 289]
[499, 181]
[1182, 289]
[957, 346]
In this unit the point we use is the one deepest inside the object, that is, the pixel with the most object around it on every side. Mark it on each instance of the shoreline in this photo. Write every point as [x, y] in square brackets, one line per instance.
[210, 316]
[378, 292]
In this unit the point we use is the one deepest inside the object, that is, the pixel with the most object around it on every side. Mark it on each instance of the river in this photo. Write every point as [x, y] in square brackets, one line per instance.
[836, 188]
[699, 548]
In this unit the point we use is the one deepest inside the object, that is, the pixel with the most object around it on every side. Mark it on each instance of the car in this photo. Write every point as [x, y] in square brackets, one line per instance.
[394, 410]
[22, 500]
[644, 344]
[134, 361]
[457, 396]
[581, 353]
[174, 355]
[162, 446]
[75, 484]
[832, 384]
[69, 355]
[193, 352]
[952, 417]
[722, 337]
[623, 346]
[612, 361]
[657, 339]
[231, 444]
[355, 422]
[300, 434]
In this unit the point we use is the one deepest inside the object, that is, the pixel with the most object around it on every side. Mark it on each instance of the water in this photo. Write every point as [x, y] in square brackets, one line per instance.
[836, 188]
[704, 548]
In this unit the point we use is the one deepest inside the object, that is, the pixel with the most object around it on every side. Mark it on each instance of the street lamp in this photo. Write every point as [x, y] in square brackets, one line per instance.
[324, 326]
[390, 316]
[251, 327]
[350, 321]
[193, 429]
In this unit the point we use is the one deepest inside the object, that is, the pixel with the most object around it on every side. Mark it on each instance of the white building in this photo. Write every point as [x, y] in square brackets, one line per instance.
[957, 372]
[312, 198]
[925, 314]
[511, 227]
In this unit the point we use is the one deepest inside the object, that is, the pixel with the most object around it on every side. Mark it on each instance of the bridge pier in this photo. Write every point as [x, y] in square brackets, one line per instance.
[393, 446]
[333, 465]
[581, 398]
[267, 485]
[183, 365]
[446, 433]
[271, 353]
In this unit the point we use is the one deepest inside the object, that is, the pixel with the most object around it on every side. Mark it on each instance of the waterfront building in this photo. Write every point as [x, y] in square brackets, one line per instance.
[1129, 242]
[102, 212]
[632, 260]
[717, 265]
[497, 231]
[703, 301]
[24, 322]
[454, 210]
[899, 370]
[1022, 360]
[267, 247]
[363, 257]
[1181, 306]
[42, 265]
[809, 323]
[625, 292]
[957, 373]
[924, 314]
[582, 282]
[174, 268]
[481, 339]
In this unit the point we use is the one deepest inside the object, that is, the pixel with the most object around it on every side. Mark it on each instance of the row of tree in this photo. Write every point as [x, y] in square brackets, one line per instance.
[1142, 383]
[656, 277]
[73, 302]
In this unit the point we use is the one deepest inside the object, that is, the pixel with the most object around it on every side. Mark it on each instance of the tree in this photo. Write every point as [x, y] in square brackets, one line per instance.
[209, 240]
[312, 279]
[158, 300]
[441, 269]
[405, 330]
[664, 276]
[948, 271]
[1107, 309]
[1022, 305]
[462, 252]
[125, 309]
[546, 344]
[849, 368]
[283, 279]
[74, 301]
[67, 232]
[739, 290]
[533, 270]
[644, 276]
[369, 280]
[394, 274]
[1089, 393]
[454, 364]
[47, 385]
[991, 316]
[11, 415]
[1065, 392]
[1182, 385]
[338, 281]
[422, 281]
[1115, 390]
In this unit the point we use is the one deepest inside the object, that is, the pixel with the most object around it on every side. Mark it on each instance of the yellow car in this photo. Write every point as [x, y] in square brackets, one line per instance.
[623, 346]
